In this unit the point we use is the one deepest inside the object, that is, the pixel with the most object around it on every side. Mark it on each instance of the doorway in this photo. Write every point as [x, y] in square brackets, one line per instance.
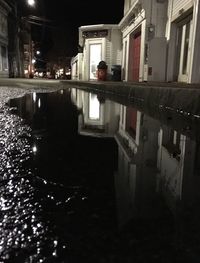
[95, 58]
[184, 44]
[134, 57]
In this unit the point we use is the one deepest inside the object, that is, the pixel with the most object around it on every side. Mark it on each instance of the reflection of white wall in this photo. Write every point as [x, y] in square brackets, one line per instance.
[97, 118]
[125, 186]
[136, 178]
[171, 169]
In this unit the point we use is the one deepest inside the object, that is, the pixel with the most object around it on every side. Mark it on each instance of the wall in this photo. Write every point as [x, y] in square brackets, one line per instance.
[177, 11]
[4, 72]
[151, 18]
[76, 66]
[111, 47]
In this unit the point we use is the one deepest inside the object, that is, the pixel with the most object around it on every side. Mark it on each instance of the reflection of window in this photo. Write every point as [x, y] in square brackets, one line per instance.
[94, 107]
[4, 58]
[95, 58]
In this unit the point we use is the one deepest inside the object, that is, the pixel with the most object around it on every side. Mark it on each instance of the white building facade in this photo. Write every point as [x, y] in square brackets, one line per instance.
[161, 40]
[98, 42]
[144, 43]
[183, 36]
[156, 40]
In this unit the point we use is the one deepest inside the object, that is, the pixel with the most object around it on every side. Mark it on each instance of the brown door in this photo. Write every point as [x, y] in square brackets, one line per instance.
[135, 57]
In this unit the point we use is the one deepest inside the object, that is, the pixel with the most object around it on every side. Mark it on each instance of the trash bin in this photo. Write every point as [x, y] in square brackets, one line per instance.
[102, 70]
[116, 72]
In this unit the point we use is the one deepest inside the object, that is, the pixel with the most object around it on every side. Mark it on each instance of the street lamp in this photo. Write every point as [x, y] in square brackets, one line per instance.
[31, 2]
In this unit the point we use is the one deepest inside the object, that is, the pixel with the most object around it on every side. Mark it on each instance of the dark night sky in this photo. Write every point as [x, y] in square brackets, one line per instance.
[67, 16]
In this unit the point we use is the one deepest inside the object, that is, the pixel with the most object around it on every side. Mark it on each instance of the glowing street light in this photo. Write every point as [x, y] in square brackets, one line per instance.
[31, 2]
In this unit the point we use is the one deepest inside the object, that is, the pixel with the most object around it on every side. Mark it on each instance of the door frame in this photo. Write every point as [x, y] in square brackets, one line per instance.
[181, 37]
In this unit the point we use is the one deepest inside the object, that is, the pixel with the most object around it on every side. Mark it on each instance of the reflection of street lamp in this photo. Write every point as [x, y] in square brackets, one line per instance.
[31, 2]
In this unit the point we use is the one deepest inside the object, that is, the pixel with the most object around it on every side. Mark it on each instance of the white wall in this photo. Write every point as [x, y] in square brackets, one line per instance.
[149, 14]
[157, 59]
[177, 11]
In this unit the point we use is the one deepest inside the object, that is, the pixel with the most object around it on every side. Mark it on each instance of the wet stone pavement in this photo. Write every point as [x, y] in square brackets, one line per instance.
[58, 197]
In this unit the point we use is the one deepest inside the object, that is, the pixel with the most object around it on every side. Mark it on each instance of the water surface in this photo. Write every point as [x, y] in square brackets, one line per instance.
[87, 179]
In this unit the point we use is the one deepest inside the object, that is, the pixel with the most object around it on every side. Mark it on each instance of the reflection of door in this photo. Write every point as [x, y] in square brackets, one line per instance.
[131, 121]
[136, 43]
[184, 32]
[95, 58]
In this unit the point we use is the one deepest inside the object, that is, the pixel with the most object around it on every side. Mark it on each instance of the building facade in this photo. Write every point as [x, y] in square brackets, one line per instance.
[183, 36]
[161, 40]
[4, 9]
[143, 32]
[98, 42]
[156, 40]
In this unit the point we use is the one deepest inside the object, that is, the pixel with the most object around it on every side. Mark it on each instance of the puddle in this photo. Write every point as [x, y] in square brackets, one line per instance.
[87, 179]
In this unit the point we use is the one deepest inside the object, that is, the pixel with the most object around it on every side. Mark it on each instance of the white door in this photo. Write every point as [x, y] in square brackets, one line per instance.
[185, 47]
[95, 58]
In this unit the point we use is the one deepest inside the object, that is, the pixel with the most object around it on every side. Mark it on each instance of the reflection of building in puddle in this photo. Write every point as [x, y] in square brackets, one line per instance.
[99, 117]
[136, 178]
[178, 168]
[157, 168]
